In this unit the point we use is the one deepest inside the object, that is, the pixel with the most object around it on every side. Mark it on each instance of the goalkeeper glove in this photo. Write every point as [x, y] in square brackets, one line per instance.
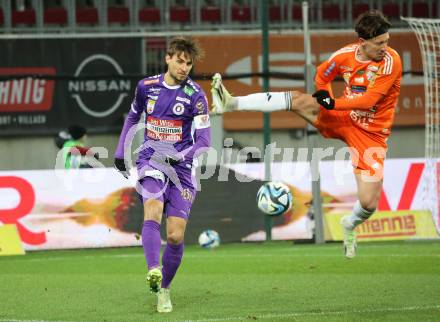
[324, 99]
[120, 167]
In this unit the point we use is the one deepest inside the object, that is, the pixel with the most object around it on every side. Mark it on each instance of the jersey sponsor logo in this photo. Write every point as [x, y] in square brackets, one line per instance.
[164, 130]
[190, 82]
[362, 118]
[154, 90]
[109, 92]
[182, 99]
[178, 109]
[151, 81]
[358, 89]
[359, 80]
[155, 174]
[202, 121]
[26, 94]
[150, 106]
[346, 68]
[329, 69]
[188, 91]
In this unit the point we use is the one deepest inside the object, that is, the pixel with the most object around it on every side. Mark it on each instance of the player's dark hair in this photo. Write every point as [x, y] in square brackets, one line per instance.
[187, 45]
[371, 24]
[77, 131]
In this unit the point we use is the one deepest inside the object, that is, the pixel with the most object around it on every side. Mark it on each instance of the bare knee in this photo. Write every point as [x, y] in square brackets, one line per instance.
[175, 230]
[153, 210]
[175, 236]
[369, 202]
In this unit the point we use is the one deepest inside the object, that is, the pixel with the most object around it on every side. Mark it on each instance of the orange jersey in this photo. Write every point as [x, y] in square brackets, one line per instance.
[371, 88]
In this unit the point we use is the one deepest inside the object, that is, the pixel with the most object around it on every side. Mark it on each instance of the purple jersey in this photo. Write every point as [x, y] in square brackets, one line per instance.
[175, 115]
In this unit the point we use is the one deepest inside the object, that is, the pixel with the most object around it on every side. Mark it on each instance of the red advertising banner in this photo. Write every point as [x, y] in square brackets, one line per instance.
[26, 94]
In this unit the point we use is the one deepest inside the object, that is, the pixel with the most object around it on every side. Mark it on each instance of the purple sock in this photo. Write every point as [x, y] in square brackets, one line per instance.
[172, 256]
[151, 242]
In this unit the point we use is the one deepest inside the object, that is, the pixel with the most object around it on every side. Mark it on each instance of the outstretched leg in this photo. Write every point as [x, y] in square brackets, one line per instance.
[302, 104]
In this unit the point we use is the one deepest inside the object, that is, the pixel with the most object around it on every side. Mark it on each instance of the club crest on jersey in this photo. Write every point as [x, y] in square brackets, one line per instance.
[371, 75]
[178, 109]
[150, 106]
[186, 194]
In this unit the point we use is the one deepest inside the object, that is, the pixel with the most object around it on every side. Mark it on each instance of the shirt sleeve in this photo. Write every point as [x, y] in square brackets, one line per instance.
[202, 126]
[132, 119]
[325, 73]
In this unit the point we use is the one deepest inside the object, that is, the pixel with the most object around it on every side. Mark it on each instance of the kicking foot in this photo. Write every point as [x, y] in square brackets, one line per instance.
[154, 279]
[164, 301]
[221, 99]
[350, 244]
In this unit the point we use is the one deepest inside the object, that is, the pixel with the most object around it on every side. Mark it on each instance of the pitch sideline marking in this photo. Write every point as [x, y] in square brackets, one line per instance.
[323, 313]
[281, 315]
[214, 256]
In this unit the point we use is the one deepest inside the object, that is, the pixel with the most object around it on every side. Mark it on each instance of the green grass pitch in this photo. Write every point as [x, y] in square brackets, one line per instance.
[280, 281]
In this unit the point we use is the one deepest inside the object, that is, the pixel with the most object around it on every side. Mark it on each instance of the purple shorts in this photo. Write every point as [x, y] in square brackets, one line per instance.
[174, 186]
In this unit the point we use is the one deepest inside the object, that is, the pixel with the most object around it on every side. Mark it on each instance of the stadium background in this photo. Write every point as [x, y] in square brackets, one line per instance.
[85, 71]
[54, 53]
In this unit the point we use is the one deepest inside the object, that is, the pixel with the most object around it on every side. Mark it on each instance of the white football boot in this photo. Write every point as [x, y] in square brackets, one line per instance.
[350, 244]
[164, 301]
[220, 96]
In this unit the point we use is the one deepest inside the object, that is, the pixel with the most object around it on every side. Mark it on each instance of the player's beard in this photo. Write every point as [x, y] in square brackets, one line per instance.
[177, 79]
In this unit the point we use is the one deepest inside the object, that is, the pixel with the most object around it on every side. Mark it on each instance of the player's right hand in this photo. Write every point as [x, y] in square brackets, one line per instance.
[119, 165]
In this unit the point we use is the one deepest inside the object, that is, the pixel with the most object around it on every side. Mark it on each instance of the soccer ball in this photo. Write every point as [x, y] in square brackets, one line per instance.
[209, 239]
[274, 198]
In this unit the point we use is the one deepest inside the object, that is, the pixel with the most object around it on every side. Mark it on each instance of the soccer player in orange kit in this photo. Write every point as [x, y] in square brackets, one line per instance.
[362, 117]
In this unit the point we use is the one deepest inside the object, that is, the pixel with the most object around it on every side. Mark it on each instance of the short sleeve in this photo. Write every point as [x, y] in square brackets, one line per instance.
[137, 104]
[200, 104]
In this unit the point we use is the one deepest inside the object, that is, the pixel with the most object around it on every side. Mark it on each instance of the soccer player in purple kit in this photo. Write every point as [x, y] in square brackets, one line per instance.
[177, 131]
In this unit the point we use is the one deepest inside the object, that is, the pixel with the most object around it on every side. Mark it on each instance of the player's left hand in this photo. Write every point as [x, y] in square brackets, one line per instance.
[120, 166]
[324, 99]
